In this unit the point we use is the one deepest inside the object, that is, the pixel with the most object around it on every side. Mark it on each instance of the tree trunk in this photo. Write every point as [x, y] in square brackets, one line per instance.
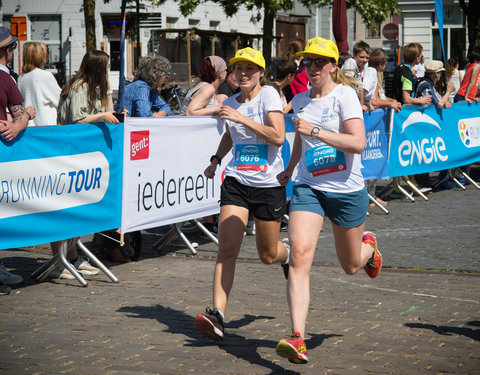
[472, 10]
[268, 18]
[89, 14]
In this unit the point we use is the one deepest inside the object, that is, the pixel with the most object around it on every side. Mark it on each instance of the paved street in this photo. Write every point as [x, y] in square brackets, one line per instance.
[415, 318]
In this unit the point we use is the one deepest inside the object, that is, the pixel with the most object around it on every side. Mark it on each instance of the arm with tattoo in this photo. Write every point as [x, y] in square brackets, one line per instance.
[20, 117]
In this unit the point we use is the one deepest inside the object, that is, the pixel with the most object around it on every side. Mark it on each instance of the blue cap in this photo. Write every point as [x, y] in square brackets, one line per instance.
[6, 38]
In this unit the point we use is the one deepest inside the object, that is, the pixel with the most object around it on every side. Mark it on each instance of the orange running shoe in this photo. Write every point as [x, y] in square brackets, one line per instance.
[293, 348]
[374, 264]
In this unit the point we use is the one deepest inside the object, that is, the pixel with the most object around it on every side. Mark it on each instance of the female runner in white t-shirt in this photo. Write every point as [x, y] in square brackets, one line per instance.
[330, 136]
[255, 132]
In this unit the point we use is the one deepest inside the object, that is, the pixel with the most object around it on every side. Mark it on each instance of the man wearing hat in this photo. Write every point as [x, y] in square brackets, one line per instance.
[426, 85]
[10, 96]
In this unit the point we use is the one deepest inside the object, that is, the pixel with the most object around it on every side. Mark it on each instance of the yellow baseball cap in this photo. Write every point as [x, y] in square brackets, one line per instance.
[320, 46]
[249, 54]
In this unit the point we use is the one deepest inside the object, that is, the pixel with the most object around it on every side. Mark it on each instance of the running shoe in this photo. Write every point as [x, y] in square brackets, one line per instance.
[210, 324]
[293, 348]
[285, 264]
[374, 264]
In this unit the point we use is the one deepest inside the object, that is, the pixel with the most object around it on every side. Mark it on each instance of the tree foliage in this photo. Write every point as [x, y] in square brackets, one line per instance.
[372, 12]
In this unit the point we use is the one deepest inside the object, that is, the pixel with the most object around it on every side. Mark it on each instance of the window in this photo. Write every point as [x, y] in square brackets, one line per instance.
[454, 34]
[369, 34]
[214, 25]
[455, 43]
[171, 22]
[193, 22]
[47, 29]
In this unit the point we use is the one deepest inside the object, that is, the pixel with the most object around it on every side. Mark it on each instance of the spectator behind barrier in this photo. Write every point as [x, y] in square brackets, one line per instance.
[285, 70]
[426, 86]
[378, 61]
[202, 99]
[38, 86]
[141, 97]
[300, 82]
[403, 80]
[10, 97]
[85, 98]
[453, 75]
[364, 80]
[10, 127]
[418, 69]
[229, 87]
[469, 87]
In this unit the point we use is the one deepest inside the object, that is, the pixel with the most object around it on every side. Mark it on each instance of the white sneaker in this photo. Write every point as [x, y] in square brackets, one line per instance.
[9, 278]
[85, 268]
[62, 273]
[250, 228]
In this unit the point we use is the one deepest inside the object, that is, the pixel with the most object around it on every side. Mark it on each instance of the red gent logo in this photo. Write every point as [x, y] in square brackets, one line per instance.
[139, 145]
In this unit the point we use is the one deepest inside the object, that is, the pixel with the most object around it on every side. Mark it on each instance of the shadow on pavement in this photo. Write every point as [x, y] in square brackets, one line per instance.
[234, 344]
[472, 333]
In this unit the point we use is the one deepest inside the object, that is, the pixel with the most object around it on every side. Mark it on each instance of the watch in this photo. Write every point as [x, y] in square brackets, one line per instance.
[217, 158]
[315, 131]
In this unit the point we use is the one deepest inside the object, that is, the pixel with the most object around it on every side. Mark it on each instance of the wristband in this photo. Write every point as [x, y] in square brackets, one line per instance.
[217, 158]
[110, 92]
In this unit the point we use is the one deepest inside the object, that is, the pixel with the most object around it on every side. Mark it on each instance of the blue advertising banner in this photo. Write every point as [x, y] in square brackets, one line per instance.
[426, 139]
[60, 182]
[374, 157]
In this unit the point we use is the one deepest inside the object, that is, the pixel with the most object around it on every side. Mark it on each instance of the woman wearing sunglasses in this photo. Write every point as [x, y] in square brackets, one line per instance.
[330, 135]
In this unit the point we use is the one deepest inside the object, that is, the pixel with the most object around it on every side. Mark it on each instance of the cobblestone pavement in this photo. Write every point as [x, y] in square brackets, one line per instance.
[413, 319]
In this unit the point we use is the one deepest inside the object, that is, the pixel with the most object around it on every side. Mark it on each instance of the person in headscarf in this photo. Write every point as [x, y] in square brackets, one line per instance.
[202, 99]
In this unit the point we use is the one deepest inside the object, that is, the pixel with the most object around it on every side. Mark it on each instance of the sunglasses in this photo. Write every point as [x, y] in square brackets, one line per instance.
[12, 47]
[319, 62]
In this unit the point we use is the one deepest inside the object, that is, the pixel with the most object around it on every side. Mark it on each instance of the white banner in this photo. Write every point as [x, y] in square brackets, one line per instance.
[163, 180]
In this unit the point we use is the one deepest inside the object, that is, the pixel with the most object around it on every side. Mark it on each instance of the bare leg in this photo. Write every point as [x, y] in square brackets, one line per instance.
[270, 249]
[303, 231]
[352, 253]
[232, 222]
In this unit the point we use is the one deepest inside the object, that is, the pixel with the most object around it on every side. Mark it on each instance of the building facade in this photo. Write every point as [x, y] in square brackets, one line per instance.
[163, 31]
[418, 23]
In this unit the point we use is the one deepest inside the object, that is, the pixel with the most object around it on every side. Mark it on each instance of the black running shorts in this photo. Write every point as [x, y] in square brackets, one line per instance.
[264, 203]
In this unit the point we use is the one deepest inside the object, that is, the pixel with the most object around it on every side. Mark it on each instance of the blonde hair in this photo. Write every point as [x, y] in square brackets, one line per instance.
[339, 78]
[34, 56]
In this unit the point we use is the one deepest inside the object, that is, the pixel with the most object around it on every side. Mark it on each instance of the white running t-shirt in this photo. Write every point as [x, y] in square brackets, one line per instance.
[255, 162]
[321, 166]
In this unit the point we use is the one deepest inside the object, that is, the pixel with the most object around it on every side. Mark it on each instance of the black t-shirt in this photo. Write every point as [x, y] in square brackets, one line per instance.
[403, 80]
[225, 90]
